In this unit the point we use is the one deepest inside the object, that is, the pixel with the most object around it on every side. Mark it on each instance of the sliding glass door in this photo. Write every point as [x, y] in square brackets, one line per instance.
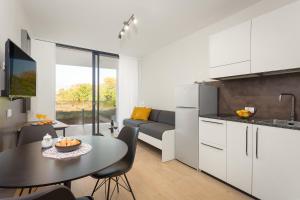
[86, 90]
[104, 98]
[74, 90]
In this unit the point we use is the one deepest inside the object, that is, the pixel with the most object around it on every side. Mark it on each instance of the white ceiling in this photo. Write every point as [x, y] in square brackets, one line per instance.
[96, 23]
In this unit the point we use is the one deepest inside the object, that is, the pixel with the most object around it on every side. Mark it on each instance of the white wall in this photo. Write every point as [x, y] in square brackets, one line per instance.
[44, 54]
[186, 60]
[12, 20]
[128, 81]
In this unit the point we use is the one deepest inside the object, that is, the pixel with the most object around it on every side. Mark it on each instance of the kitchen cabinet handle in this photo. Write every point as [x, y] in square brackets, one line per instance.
[211, 146]
[212, 122]
[247, 141]
[256, 148]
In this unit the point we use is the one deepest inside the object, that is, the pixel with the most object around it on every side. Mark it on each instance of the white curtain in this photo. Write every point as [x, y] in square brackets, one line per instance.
[45, 57]
[128, 86]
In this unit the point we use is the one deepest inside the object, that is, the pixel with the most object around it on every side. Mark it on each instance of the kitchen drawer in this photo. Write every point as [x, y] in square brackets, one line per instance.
[212, 131]
[212, 160]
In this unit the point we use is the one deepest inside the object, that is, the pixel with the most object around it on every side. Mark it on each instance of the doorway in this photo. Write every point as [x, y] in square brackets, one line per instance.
[105, 92]
[86, 90]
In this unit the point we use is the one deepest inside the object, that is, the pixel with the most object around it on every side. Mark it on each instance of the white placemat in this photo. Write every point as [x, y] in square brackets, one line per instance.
[53, 153]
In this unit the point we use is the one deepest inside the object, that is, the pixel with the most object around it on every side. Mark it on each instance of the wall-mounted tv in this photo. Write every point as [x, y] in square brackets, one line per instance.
[20, 72]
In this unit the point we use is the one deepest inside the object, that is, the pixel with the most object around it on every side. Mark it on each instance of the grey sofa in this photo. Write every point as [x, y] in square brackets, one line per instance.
[159, 122]
[157, 131]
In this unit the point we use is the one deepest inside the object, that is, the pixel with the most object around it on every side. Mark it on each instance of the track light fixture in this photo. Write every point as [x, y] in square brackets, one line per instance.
[126, 25]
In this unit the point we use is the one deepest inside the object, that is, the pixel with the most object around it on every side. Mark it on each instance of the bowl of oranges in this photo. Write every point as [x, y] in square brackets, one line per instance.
[244, 114]
[67, 145]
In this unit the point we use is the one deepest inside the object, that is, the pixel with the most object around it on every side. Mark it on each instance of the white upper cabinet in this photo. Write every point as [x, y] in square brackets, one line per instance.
[276, 40]
[239, 155]
[276, 163]
[230, 51]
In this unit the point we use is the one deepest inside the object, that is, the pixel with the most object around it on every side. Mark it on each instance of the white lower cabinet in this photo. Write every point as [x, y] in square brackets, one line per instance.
[263, 161]
[212, 147]
[276, 163]
[239, 155]
[212, 160]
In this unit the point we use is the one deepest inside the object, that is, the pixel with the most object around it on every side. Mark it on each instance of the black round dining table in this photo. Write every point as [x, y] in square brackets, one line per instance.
[26, 167]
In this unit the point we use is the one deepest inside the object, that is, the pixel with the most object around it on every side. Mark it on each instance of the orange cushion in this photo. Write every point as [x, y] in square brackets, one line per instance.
[135, 110]
[141, 113]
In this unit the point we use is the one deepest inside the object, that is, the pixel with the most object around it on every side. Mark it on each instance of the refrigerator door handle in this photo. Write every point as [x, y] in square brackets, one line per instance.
[212, 122]
[185, 107]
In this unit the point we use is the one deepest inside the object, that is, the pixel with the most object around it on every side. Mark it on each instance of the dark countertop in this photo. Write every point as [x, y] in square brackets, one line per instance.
[257, 121]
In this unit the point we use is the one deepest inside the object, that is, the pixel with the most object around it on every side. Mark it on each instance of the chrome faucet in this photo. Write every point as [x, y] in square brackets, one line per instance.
[292, 118]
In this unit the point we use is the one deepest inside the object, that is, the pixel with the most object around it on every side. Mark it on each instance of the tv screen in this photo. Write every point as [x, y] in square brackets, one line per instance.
[21, 72]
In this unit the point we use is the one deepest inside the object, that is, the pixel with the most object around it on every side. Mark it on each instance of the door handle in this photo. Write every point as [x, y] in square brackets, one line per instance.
[256, 148]
[212, 122]
[211, 146]
[247, 141]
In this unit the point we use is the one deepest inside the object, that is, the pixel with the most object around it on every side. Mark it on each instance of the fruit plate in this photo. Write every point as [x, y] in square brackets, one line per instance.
[41, 123]
[65, 149]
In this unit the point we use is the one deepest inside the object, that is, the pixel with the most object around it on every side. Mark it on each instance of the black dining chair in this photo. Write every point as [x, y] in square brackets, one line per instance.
[29, 134]
[57, 192]
[115, 172]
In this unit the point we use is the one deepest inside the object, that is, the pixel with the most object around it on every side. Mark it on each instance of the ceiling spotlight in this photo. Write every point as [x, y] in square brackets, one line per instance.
[126, 25]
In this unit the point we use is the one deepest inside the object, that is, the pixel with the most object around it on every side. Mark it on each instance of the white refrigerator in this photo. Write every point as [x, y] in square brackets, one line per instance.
[192, 100]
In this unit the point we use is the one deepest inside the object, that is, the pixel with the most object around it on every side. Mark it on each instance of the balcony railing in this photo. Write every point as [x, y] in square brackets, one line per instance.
[72, 112]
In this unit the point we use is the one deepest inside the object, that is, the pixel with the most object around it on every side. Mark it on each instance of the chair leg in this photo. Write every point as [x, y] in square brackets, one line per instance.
[94, 190]
[129, 187]
[29, 190]
[107, 198]
[105, 188]
[21, 192]
[117, 182]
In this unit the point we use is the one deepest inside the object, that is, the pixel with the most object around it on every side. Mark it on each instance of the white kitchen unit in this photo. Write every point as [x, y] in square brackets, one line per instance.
[239, 155]
[275, 43]
[263, 161]
[276, 163]
[212, 147]
[230, 50]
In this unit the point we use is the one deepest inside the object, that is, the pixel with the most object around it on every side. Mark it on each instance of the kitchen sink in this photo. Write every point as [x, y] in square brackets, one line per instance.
[280, 122]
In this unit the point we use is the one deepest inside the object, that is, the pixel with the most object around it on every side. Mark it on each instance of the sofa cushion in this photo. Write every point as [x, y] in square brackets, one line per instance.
[154, 115]
[141, 114]
[167, 117]
[135, 110]
[134, 123]
[155, 129]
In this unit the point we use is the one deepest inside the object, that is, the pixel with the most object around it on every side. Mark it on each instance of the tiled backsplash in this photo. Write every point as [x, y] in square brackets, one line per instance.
[261, 92]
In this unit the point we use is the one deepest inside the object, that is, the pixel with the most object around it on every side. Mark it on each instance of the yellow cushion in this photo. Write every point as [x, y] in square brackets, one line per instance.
[135, 110]
[141, 113]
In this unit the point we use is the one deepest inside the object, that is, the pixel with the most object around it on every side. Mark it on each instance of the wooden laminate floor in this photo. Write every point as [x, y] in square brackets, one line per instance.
[153, 180]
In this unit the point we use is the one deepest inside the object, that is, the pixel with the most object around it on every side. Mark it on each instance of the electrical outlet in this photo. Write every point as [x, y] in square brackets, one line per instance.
[8, 113]
[3, 66]
[250, 109]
